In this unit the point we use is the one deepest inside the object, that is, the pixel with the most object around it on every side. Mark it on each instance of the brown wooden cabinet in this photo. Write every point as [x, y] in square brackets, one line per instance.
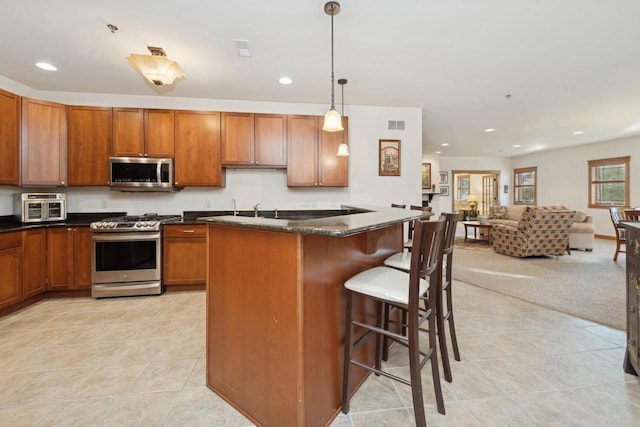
[9, 138]
[313, 160]
[34, 267]
[44, 143]
[89, 131]
[69, 258]
[141, 132]
[11, 268]
[632, 355]
[184, 255]
[258, 140]
[197, 149]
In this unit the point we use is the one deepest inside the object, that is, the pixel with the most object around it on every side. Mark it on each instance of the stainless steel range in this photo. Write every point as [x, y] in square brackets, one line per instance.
[127, 255]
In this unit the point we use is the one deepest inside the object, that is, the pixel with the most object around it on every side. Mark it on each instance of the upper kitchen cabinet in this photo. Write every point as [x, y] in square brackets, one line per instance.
[89, 131]
[44, 143]
[139, 132]
[257, 140]
[197, 149]
[312, 154]
[9, 138]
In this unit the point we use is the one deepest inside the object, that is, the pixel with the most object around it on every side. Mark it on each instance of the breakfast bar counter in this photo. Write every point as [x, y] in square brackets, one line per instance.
[275, 308]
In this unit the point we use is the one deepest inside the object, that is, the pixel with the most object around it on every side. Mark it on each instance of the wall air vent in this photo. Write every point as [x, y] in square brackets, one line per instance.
[396, 125]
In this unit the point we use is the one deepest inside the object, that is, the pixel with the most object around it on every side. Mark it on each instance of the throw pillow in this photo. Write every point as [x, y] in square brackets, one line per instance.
[580, 216]
[498, 212]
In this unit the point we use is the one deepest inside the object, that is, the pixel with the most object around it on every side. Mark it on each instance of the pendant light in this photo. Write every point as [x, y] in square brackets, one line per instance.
[156, 68]
[332, 120]
[343, 149]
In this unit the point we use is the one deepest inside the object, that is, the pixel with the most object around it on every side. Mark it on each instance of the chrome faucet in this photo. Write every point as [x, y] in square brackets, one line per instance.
[235, 211]
[255, 210]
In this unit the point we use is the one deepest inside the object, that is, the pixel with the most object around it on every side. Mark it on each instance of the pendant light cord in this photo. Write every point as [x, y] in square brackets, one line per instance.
[332, 73]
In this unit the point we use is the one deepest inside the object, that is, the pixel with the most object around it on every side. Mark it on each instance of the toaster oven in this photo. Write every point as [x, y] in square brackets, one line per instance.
[40, 207]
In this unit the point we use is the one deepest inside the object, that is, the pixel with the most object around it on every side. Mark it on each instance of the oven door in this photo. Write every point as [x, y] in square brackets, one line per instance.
[126, 257]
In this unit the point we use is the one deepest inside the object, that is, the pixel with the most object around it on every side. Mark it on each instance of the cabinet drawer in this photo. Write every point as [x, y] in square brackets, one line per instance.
[185, 230]
[11, 240]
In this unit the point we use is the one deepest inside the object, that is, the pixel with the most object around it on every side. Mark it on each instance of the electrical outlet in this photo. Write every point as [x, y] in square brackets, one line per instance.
[103, 204]
[207, 204]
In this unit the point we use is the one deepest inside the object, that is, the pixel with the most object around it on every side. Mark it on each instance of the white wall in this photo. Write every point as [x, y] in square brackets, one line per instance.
[249, 186]
[563, 176]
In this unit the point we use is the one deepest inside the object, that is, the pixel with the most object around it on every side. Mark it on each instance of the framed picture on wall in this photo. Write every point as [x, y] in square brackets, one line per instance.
[389, 157]
[444, 177]
[444, 190]
[426, 175]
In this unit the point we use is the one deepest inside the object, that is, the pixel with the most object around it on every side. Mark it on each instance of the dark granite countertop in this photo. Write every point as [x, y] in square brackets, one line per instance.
[10, 223]
[353, 219]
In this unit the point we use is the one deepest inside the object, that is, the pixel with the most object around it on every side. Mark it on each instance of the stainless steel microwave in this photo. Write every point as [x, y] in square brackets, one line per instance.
[40, 207]
[141, 174]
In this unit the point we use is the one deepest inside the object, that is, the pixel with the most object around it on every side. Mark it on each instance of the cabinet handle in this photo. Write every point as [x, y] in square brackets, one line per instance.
[188, 231]
[632, 309]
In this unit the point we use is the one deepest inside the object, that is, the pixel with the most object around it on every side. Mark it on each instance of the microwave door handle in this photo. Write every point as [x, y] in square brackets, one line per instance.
[159, 173]
[45, 211]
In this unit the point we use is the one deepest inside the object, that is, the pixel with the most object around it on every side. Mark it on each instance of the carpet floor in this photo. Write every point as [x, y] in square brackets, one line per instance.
[589, 285]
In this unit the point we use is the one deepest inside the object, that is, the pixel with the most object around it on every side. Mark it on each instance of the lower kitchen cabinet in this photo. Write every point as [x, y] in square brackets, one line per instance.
[69, 258]
[11, 268]
[184, 255]
[34, 269]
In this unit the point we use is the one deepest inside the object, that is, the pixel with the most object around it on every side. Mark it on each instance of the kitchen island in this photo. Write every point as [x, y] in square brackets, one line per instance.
[275, 308]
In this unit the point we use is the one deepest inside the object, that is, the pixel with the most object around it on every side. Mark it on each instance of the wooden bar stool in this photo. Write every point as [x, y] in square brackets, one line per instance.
[404, 290]
[401, 261]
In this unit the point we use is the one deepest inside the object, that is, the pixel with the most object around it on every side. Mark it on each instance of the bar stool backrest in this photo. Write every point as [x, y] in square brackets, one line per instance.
[428, 240]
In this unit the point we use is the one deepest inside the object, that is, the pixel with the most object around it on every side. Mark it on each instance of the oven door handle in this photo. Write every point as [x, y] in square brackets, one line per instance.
[133, 236]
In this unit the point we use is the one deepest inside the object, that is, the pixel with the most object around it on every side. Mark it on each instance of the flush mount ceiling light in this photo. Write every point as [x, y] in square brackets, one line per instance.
[46, 66]
[156, 68]
[285, 80]
[343, 149]
[489, 130]
[332, 120]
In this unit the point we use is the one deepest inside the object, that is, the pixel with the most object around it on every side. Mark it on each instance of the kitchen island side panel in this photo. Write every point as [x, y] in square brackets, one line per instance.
[275, 319]
[253, 322]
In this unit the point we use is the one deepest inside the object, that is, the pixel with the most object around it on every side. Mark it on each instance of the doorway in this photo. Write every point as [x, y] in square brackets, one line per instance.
[474, 191]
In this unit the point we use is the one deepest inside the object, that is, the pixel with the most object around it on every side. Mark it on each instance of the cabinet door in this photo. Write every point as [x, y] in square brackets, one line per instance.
[184, 255]
[89, 131]
[9, 138]
[82, 253]
[128, 132]
[159, 133]
[334, 170]
[60, 258]
[44, 143]
[237, 139]
[34, 266]
[302, 143]
[270, 138]
[11, 268]
[197, 161]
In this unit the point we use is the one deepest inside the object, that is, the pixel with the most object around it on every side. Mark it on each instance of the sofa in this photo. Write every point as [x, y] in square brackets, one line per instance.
[581, 234]
[541, 230]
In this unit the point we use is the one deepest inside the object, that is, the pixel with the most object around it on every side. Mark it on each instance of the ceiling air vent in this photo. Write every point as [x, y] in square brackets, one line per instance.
[242, 46]
[396, 125]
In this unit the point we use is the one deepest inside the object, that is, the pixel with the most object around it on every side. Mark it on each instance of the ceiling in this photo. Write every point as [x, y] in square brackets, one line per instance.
[535, 71]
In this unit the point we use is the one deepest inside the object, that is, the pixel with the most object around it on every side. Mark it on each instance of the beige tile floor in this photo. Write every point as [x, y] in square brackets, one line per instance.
[140, 362]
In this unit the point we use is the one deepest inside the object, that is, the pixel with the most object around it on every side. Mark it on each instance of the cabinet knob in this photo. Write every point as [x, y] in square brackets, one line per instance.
[140, 155]
[62, 182]
[632, 309]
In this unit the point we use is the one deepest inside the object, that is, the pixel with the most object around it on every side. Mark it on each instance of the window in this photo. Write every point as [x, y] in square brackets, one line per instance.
[463, 185]
[524, 186]
[609, 182]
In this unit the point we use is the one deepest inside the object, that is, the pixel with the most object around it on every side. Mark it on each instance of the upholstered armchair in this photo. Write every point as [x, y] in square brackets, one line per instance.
[542, 230]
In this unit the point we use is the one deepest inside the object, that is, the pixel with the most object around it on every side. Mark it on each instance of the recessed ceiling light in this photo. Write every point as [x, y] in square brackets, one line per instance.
[578, 132]
[446, 144]
[46, 66]
[516, 146]
[285, 80]
[489, 130]
[438, 152]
